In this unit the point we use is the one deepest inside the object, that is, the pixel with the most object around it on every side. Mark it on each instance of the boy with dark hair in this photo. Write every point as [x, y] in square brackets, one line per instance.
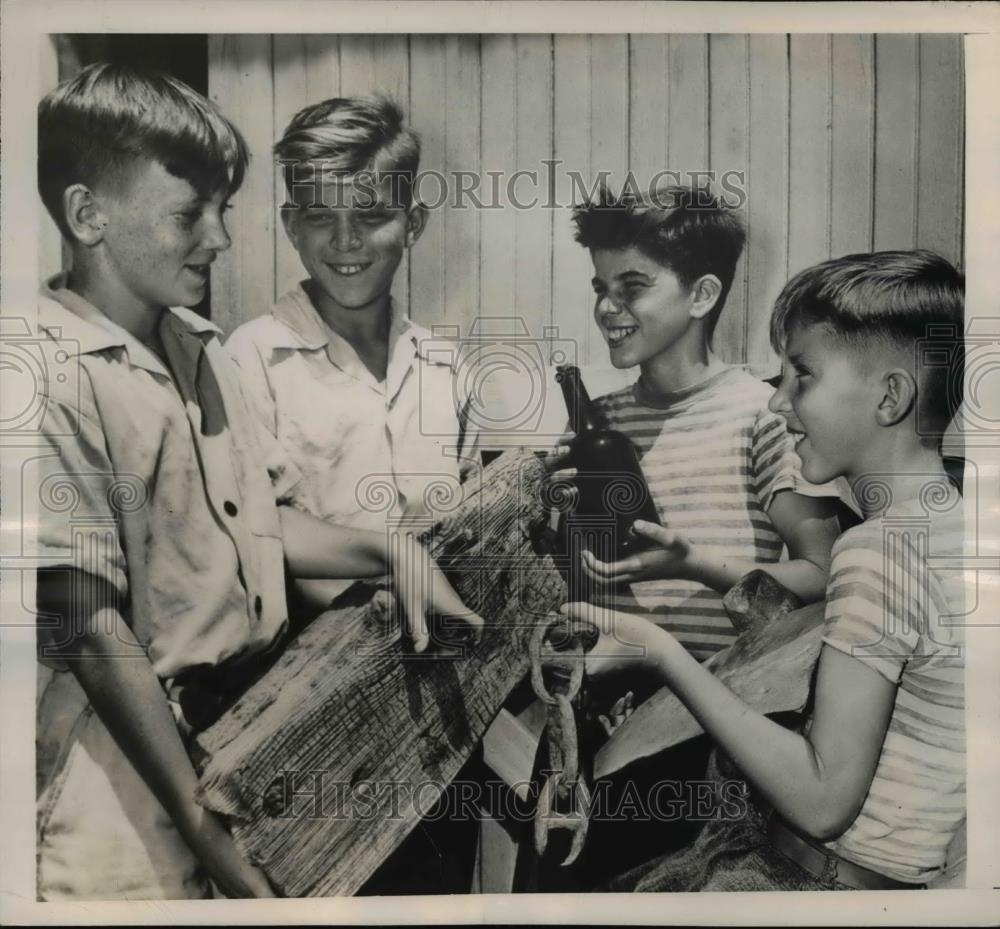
[872, 793]
[164, 577]
[338, 374]
[721, 468]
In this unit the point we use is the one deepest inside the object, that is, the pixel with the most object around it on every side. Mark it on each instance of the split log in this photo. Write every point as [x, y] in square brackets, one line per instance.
[333, 756]
[769, 666]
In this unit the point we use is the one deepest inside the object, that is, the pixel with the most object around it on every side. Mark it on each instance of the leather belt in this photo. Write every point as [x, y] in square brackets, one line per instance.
[817, 861]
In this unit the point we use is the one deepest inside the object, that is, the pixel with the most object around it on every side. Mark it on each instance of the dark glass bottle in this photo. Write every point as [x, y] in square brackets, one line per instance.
[612, 492]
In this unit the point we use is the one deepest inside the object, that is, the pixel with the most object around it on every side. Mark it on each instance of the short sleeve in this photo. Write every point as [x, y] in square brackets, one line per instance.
[77, 528]
[872, 610]
[776, 465]
[77, 487]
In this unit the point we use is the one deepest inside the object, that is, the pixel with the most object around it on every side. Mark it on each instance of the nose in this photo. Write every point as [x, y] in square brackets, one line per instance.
[216, 237]
[781, 399]
[345, 234]
[607, 306]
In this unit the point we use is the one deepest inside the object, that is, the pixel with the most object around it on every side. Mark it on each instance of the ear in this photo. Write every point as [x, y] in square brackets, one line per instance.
[84, 217]
[898, 398]
[289, 219]
[416, 220]
[704, 295]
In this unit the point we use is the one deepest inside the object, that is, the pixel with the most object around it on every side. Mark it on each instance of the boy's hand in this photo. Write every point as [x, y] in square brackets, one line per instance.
[625, 641]
[672, 558]
[211, 841]
[421, 586]
[620, 710]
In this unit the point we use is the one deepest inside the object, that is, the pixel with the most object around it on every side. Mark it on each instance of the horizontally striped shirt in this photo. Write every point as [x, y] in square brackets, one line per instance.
[714, 458]
[896, 601]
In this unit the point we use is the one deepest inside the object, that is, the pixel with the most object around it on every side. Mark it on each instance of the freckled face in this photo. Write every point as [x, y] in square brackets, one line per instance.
[829, 402]
[642, 308]
[161, 236]
[352, 240]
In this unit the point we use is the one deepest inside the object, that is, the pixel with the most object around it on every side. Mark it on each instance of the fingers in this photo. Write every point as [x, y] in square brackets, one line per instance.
[558, 455]
[610, 570]
[661, 535]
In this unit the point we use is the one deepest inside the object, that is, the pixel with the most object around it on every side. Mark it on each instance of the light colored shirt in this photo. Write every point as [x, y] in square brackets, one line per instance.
[714, 457]
[896, 601]
[157, 485]
[154, 481]
[369, 450]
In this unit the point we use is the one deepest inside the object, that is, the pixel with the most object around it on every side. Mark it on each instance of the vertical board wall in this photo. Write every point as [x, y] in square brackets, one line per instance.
[848, 143]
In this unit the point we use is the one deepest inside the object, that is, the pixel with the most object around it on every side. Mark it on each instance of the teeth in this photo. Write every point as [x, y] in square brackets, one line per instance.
[348, 269]
[618, 334]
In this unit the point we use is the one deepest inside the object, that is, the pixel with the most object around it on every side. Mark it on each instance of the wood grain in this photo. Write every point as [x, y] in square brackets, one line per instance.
[330, 759]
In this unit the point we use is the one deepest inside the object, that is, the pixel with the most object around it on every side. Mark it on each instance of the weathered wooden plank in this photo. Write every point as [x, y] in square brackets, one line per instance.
[648, 105]
[428, 264]
[532, 220]
[809, 156]
[572, 295]
[687, 104]
[497, 267]
[769, 667]
[330, 759]
[853, 135]
[766, 183]
[291, 88]
[240, 81]
[896, 77]
[939, 158]
[729, 129]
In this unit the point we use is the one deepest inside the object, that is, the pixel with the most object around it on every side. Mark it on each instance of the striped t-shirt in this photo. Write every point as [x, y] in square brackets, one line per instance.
[895, 600]
[714, 457]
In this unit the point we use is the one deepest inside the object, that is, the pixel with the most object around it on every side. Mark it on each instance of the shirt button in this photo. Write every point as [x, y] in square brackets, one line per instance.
[258, 605]
[230, 508]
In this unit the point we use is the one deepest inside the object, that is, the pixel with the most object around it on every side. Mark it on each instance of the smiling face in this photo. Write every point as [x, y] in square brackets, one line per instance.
[829, 400]
[159, 237]
[642, 308]
[351, 241]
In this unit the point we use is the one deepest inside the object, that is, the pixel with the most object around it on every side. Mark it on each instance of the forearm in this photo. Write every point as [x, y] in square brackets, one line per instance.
[129, 699]
[781, 764]
[805, 578]
[315, 548]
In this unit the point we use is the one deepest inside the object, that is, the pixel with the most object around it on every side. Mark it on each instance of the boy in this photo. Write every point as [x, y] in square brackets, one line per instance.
[339, 375]
[873, 792]
[721, 468]
[166, 570]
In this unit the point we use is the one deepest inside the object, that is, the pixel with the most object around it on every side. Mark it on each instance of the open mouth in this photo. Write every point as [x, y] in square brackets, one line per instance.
[616, 335]
[348, 270]
[200, 271]
[797, 436]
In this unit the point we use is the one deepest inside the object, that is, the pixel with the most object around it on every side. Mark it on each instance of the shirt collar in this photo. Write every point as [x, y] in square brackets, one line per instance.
[306, 329]
[83, 329]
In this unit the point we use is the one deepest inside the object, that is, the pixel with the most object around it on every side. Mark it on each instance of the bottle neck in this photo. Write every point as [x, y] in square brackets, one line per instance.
[583, 415]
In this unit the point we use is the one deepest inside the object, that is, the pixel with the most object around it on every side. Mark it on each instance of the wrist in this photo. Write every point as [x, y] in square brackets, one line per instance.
[662, 650]
[697, 567]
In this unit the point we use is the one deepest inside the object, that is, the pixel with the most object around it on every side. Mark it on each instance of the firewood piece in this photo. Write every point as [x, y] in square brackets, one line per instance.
[332, 757]
[758, 599]
[769, 666]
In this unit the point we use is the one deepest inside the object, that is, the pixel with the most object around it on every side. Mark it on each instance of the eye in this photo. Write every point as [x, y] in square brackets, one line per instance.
[188, 218]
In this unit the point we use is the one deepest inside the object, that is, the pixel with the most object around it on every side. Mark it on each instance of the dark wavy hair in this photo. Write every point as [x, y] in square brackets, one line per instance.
[686, 229]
